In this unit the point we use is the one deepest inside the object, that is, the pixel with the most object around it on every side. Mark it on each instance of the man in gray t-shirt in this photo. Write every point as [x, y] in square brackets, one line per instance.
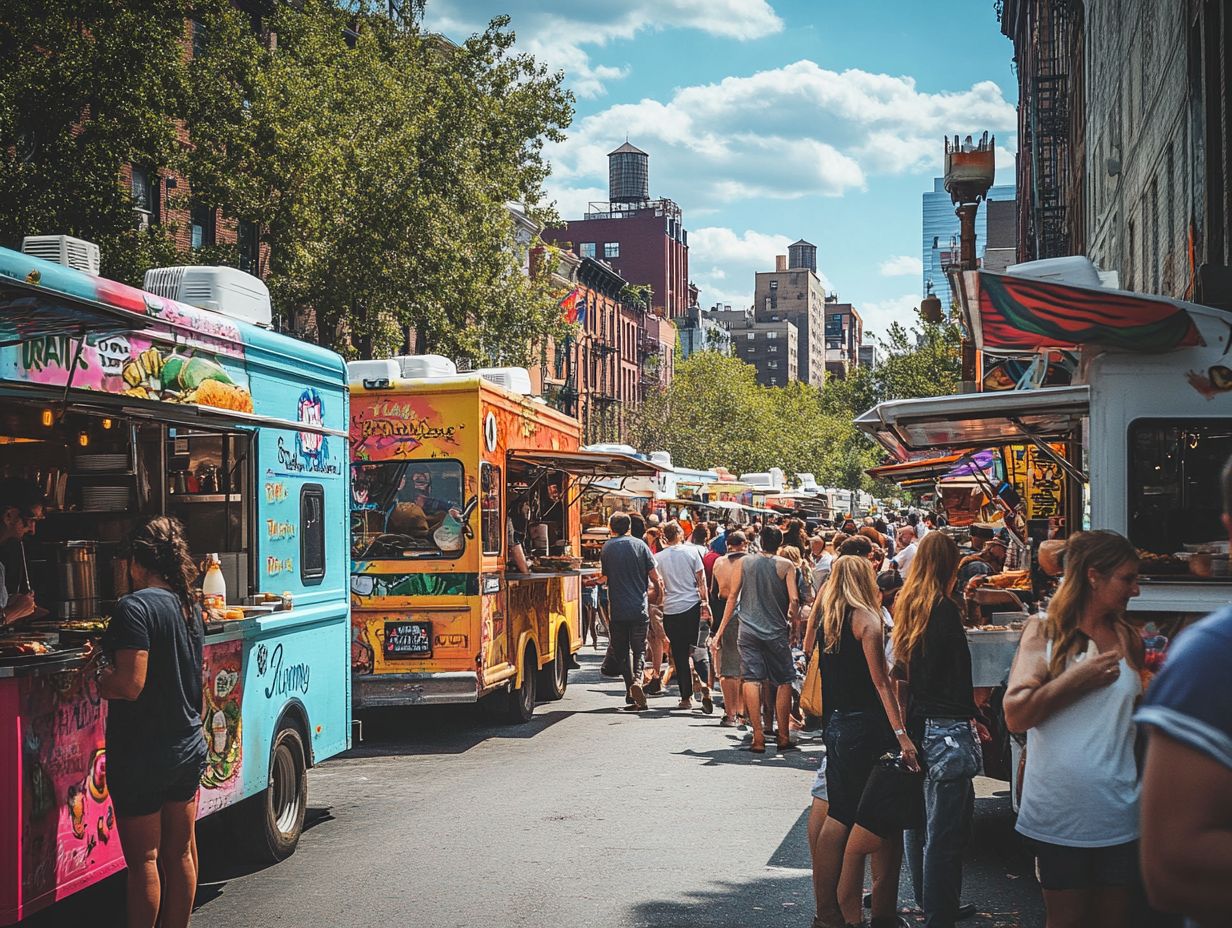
[628, 567]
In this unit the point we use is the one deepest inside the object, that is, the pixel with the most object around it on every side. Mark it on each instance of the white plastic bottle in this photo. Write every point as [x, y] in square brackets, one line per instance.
[214, 586]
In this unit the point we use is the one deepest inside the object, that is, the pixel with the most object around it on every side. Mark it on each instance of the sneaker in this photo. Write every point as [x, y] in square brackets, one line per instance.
[639, 696]
[685, 705]
[707, 703]
[654, 687]
[727, 722]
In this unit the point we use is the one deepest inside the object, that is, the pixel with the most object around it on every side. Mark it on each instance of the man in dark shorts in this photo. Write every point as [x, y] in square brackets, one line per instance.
[727, 651]
[628, 566]
[765, 588]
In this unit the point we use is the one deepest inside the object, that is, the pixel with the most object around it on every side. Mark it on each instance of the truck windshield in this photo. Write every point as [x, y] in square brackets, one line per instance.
[1175, 498]
[408, 509]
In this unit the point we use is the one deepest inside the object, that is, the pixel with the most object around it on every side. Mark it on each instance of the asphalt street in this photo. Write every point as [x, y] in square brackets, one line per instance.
[587, 816]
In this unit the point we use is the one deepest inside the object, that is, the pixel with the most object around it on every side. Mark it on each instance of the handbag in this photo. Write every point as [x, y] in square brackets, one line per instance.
[893, 798]
[810, 692]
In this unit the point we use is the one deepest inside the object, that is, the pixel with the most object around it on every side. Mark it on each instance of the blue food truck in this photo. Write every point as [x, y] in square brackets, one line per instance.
[121, 403]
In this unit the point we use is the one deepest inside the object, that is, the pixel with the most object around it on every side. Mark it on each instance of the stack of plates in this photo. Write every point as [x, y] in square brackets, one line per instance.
[104, 499]
[89, 463]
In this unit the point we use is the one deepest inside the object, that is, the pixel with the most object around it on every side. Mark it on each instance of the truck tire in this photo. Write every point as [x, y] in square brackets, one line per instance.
[520, 700]
[554, 677]
[274, 818]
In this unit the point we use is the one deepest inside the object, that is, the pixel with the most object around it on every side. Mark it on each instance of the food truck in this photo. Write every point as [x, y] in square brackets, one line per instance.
[1134, 443]
[448, 471]
[119, 404]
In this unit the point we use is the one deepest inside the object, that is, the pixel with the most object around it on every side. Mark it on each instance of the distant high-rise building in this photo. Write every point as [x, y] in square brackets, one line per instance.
[940, 226]
[772, 346]
[643, 240]
[793, 291]
[1000, 245]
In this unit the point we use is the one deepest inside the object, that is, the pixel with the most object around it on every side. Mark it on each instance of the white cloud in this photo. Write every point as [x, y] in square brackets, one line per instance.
[784, 133]
[556, 31]
[902, 266]
[878, 315]
[722, 262]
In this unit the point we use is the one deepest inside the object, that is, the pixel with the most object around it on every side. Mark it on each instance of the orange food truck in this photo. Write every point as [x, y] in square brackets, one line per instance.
[451, 471]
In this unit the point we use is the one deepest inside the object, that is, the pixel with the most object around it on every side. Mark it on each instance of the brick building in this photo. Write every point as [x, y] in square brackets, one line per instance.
[795, 293]
[1131, 106]
[773, 347]
[644, 240]
[844, 337]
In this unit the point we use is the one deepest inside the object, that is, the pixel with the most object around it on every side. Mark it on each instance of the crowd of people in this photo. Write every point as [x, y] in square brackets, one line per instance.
[880, 608]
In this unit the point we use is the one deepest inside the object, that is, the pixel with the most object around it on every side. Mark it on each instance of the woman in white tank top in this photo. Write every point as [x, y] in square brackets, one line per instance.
[1073, 690]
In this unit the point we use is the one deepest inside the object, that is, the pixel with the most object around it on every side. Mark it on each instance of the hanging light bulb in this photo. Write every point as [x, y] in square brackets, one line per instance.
[107, 423]
[83, 438]
[48, 418]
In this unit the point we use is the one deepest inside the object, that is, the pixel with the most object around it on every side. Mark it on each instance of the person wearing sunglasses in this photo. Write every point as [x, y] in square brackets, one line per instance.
[21, 509]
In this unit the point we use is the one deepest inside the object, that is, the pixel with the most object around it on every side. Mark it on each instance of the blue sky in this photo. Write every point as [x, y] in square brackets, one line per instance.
[772, 120]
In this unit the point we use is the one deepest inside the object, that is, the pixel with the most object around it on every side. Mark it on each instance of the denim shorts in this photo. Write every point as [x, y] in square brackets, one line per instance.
[854, 741]
[950, 749]
[140, 782]
[1059, 867]
[766, 660]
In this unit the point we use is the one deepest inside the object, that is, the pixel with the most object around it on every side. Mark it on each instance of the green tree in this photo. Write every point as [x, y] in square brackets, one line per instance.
[86, 88]
[376, 160]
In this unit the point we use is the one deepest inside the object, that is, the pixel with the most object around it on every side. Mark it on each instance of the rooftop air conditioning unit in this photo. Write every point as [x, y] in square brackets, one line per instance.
[373, 374]
[662, 458]
[63, 249]
[513, 379]
[225, 290]
[420, 366]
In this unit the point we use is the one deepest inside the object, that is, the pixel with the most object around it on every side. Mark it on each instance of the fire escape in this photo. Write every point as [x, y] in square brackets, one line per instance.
[599, 426]
[1048, 128]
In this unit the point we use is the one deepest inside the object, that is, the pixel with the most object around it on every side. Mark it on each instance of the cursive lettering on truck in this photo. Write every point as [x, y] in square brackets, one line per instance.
[286, 681]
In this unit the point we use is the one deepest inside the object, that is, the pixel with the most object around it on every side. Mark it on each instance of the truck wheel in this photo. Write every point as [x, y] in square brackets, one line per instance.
[520, 702]
[275, 817]
[554, 677]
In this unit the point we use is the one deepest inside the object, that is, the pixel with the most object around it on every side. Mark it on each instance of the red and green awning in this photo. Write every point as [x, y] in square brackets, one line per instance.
[1024, 314]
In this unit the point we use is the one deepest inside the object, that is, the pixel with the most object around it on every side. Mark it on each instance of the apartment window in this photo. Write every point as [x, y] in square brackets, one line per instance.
[772, 364]
[774, 285]
[201, 222]
[1154, 193]
[611, 249]
[751, 336]
[772, 335]
[248, 244]
[773, 349]
[774, 381]
[144, 189]
[588, 249]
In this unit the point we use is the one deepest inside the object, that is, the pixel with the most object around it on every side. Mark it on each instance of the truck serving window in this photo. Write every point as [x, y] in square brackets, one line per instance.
[1174, 493]
[312, 534]
[408, 510]
[490, 507]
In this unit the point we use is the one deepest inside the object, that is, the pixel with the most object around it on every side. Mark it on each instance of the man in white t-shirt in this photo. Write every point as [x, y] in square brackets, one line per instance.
[906, 549]
[685, 604]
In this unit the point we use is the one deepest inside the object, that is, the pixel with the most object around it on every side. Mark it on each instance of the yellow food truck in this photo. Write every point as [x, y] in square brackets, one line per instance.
[449, 472]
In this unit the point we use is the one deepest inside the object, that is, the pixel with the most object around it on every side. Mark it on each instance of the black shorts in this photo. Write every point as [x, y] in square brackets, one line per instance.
[140, 783]
[854, 742]
[1059, 867]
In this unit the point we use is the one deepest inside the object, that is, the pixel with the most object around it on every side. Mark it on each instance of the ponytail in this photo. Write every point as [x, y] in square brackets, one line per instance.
[160, 547]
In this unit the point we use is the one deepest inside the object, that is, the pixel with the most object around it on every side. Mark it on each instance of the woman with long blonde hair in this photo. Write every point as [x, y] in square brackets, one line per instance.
[863, 722]
[1072, 689]
[931, 653]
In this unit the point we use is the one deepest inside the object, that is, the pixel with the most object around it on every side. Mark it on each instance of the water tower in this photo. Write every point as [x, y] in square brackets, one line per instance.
[628, 176]
[802, 255]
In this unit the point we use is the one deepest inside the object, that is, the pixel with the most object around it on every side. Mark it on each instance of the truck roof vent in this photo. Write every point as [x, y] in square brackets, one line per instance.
[76, 253]
[226, 290]
[513, 379]
[419, 366]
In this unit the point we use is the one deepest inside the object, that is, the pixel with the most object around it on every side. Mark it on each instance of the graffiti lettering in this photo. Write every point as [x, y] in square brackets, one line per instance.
[402, 422]
[295, 463]
[451, 641]
[277, 531]
[284, 681]
[279, 565]
[50, 351]
[275, 492]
